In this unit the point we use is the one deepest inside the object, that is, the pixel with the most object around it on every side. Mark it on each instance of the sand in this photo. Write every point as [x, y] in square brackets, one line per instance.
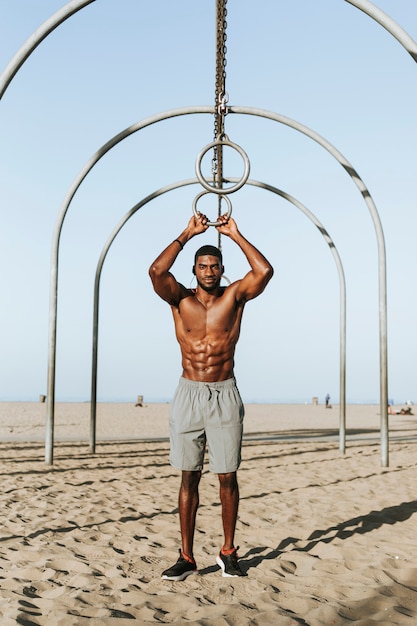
[326, 538]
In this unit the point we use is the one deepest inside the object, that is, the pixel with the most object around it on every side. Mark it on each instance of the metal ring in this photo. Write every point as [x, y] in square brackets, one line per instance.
[203, 193]
[218, 190]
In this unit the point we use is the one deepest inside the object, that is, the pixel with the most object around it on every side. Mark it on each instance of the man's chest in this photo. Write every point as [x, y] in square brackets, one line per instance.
[193, 317]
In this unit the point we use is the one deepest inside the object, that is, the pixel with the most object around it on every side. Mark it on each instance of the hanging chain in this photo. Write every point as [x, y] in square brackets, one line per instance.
[221, 97]
[221, 140]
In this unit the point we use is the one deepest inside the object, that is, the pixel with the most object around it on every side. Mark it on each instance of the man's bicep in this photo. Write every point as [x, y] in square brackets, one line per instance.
[168, 288]
[171, 291]
[250, 287]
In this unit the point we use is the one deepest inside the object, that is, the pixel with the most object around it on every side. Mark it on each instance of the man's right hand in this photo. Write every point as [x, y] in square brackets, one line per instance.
[197, 224]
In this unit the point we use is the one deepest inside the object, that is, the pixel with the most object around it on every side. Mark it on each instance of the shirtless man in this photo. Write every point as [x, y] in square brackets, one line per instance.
[207, 407]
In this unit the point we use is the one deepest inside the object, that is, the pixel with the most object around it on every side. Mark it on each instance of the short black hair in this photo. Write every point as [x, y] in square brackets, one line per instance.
[210, 250]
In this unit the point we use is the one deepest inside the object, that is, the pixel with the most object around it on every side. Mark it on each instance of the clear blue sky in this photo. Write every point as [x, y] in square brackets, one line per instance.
[325, 64]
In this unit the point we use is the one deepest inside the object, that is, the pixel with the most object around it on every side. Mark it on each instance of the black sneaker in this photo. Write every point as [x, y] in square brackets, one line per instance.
[228, 563]
[180, 570]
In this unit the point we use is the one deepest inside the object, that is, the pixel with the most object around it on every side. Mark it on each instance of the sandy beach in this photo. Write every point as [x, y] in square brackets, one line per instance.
[325, 538]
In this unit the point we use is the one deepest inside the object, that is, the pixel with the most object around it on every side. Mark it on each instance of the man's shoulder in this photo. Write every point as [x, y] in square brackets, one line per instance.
[184, 293]
[232, 288]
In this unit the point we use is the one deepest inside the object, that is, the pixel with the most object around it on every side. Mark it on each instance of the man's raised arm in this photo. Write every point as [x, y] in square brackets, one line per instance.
[261, 270]
[164, 283]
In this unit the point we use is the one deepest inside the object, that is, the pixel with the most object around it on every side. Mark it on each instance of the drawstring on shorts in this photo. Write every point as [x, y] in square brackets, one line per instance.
[210, 390]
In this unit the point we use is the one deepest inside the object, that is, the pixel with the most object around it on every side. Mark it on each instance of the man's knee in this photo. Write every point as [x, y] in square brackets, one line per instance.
[190, 480]
[228, 481]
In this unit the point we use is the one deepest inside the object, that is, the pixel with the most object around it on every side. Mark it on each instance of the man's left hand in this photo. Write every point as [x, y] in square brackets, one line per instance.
[227, 225]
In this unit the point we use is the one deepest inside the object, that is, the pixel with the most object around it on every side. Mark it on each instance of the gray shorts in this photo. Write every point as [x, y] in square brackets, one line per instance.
[209, 413]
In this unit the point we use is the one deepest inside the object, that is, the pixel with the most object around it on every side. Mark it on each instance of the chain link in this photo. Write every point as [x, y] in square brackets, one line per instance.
[221, 97]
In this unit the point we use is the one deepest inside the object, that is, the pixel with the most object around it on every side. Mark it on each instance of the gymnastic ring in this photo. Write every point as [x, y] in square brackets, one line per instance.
[218, 190]
[203, 193]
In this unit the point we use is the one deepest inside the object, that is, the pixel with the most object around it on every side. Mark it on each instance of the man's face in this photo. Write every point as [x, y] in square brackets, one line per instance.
[208, 271]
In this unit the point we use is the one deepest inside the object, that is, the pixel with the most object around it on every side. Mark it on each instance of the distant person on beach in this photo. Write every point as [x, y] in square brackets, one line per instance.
[207, 407]
[402, 411]
[327, 400]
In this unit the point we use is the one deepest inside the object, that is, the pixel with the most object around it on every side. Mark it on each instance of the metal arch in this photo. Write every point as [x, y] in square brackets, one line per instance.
[36, 38]
[50, 409]
[72, 7]
[382, 262]
[54, 266]
[388, 23]
[292, 200]
[76, 5]
[364, 5]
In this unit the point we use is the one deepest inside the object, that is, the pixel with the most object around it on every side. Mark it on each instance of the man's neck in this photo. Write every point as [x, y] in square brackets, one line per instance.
[207, 297]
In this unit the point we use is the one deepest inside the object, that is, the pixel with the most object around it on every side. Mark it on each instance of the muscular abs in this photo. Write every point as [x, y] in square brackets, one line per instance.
[207, 334]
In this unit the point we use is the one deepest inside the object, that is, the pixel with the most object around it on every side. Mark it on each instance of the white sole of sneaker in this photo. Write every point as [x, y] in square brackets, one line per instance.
[221, 565]
[179, 578]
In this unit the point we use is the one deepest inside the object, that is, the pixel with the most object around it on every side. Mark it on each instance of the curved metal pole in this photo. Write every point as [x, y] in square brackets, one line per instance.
[76, 5]
[388, 23]
[364, 5]
[342, 289]
[292, 200]
[195, 110]
[53, 291]
[382, 262]
[36, 38]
